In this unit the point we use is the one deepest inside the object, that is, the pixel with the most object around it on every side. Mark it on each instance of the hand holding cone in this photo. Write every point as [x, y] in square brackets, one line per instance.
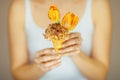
[57, 45]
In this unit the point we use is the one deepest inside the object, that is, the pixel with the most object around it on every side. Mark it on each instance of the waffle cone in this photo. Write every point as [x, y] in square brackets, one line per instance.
[57, 45]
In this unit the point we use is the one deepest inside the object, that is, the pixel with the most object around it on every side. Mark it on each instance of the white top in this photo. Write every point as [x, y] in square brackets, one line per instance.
[68, 70]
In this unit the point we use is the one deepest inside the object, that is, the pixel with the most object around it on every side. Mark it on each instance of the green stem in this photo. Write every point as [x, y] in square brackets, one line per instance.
[58, 22]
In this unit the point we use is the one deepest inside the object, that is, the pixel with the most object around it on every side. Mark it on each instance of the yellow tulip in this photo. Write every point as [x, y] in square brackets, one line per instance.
[70, 21]
[54, 13]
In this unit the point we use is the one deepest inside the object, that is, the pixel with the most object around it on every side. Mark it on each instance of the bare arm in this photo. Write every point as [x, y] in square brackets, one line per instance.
[20, 66]
[98, 63]
[96, 66]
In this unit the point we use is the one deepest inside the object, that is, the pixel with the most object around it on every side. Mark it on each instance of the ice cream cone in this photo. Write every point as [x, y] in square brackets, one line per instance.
[57, 45]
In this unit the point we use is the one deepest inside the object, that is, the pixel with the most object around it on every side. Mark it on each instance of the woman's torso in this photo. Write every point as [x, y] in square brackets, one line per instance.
[68, 70]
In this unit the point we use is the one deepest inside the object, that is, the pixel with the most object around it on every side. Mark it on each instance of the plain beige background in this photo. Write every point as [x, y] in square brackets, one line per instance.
[4, 52]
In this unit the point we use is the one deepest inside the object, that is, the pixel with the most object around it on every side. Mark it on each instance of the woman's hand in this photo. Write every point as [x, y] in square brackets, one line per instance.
[72, 45]
[47, 61]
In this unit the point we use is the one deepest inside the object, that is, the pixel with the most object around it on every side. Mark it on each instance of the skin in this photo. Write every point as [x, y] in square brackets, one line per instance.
[94, 67]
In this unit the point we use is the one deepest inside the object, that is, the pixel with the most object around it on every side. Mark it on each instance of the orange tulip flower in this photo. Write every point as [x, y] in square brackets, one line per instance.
[70, 21]
[54, 13]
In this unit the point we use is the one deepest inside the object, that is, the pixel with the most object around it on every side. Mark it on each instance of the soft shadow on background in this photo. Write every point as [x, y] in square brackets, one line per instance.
[114, 73]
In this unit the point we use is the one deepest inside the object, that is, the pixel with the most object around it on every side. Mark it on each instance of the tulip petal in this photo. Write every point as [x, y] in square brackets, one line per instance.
[70, 21]
[75, 22]
[54, 14]
[65, 19]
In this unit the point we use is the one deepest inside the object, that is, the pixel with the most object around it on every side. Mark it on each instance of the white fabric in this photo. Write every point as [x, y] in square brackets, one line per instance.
[68, 70]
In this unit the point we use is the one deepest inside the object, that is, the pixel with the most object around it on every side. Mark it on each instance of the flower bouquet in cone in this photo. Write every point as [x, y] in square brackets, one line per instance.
[58, 31]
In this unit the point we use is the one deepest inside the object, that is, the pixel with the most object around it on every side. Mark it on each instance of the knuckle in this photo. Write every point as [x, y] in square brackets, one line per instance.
[78, 34]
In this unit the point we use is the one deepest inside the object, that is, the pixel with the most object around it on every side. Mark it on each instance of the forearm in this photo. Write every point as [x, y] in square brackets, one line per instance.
[27, 72]
[92, 69]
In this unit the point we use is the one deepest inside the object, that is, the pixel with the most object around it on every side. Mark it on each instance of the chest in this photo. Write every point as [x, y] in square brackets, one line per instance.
[40, 11]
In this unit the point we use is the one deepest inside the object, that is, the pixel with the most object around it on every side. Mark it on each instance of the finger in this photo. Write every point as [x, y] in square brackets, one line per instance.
[44, 51]
[72, 41]
[55, 66]
[71, 53]
[50, 63]
[48, 50]
[69, 48]
[46, 69]
[45, 58]
[75, 34]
